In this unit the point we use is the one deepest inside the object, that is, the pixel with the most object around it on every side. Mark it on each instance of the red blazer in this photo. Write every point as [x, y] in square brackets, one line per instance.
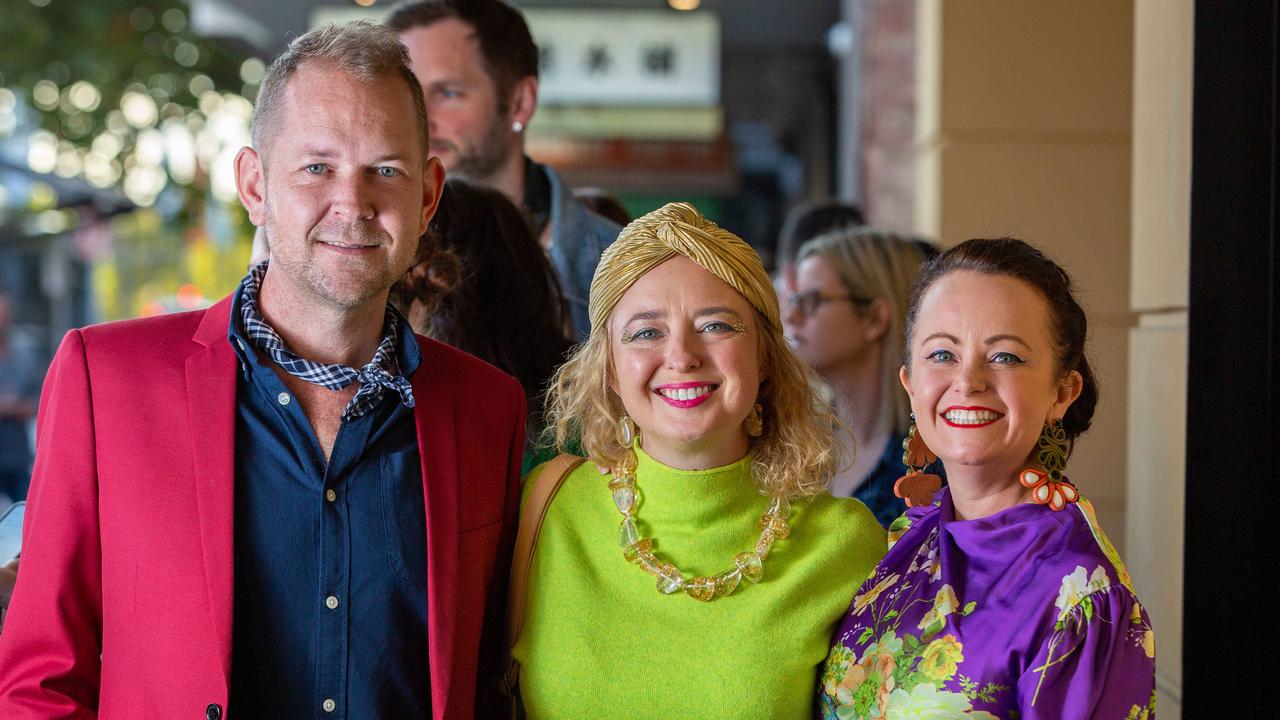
[122, 607]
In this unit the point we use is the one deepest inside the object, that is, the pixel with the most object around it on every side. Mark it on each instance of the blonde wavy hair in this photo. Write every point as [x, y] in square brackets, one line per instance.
[795, 456]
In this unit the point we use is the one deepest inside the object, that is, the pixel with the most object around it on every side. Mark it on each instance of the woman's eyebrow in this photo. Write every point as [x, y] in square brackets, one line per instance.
[1014, 338]
[645, 315]
[717, 310]
[943, 336]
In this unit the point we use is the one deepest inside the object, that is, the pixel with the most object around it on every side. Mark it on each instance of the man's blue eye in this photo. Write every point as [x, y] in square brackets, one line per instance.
[314, 169]
[385, 171]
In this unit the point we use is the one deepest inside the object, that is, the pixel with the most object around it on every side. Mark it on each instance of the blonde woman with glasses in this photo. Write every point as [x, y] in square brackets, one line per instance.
[845, 319]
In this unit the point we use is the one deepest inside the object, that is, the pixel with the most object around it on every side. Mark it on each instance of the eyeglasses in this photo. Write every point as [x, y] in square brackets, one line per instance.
[809, 302]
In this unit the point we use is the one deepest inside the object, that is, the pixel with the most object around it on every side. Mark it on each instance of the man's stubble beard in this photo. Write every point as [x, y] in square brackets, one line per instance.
[481, 162]
[301, 270]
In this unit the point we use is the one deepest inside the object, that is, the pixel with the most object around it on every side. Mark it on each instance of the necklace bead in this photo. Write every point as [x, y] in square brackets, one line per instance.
[669, 579]
[628, 533]
[751, 565]
[726, 583]
[624, 496]
[701, 588]
[775, 525]
[640, 550]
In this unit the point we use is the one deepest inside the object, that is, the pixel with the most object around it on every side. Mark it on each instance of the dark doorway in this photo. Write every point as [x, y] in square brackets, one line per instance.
[1230, 667]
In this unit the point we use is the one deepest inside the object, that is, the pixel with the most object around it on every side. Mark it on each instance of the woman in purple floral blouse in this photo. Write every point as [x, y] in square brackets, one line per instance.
[1000, 595]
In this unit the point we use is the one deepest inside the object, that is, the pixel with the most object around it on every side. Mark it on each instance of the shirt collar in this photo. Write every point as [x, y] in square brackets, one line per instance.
[408, 353]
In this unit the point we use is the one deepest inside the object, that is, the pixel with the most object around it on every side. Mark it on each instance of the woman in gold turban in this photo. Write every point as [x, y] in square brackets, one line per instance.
[694, 566]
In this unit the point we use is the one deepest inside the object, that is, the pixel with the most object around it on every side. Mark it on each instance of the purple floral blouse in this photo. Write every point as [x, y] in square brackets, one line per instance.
[1027, 613]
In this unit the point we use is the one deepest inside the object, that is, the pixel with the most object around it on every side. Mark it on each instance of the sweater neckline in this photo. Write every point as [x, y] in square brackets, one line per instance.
[670, 494]
[646, 464]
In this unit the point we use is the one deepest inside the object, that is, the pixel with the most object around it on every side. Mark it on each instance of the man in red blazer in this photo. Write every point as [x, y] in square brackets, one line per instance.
[285, 505]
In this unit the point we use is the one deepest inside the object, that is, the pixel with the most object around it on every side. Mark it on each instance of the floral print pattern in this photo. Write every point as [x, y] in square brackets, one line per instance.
[1001, 617]
[897, 675]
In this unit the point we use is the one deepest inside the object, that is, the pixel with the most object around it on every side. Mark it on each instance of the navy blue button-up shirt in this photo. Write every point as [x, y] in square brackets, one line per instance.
[330, 559]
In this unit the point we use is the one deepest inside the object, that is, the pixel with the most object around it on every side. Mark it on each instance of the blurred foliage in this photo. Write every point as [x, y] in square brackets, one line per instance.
[105, 84]
[111, 44]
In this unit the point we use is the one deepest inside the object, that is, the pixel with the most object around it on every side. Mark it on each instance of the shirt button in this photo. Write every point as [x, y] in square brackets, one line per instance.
[330, 495]
[331, 602]
[283, 398]
[213, 712]
[328, 705]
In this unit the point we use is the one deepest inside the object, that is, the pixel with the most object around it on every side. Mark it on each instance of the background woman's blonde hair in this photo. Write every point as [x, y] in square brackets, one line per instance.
[873, 263]
[795, 455]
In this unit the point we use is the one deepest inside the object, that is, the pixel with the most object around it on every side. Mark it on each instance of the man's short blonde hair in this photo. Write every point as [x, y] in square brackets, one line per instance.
[362, 49]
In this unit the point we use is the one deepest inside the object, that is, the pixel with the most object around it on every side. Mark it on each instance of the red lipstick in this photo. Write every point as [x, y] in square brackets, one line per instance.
[970, 408]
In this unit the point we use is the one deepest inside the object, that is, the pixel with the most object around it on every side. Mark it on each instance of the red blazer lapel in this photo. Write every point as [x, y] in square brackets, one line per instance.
[437, 445]
[211, 402]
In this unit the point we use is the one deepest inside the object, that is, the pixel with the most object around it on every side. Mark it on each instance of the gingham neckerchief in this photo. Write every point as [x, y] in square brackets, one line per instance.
[380, 375]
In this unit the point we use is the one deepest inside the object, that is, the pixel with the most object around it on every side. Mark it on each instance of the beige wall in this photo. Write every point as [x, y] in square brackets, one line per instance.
[1068, 123]
[1158, 345]
[1023, 129]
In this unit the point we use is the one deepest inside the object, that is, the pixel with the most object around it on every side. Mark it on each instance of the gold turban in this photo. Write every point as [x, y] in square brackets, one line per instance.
[678, 229]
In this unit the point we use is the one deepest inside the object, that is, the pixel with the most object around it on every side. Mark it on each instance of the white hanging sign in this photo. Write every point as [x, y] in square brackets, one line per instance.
[627, 57]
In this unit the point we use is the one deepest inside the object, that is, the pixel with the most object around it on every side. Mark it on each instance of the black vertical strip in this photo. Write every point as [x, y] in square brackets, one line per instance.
[1230, 626]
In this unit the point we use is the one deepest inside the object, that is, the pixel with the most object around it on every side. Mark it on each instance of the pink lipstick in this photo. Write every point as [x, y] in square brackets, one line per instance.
[685, 394]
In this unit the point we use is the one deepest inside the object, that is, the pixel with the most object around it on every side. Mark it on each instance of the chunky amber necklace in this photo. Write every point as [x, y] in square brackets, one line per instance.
[640, 550]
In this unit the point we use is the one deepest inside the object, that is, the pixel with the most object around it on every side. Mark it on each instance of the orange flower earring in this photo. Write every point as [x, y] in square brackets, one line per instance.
[916, 487]
[1048, 485]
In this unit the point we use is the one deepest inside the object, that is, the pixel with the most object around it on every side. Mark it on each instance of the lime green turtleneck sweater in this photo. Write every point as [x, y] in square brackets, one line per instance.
[600, 641]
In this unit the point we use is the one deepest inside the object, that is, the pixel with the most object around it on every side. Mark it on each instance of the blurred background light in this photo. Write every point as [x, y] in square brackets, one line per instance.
[139, 109]
[199, 85]
[69, 163]
[45, 95]
[186, 54]
[42, 151]
[142, 19]
[179, 151]
[174, 20]
[252, 71]
[84, 96]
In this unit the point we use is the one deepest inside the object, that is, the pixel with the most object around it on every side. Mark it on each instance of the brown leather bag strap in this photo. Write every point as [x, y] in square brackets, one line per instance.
[535, 507]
